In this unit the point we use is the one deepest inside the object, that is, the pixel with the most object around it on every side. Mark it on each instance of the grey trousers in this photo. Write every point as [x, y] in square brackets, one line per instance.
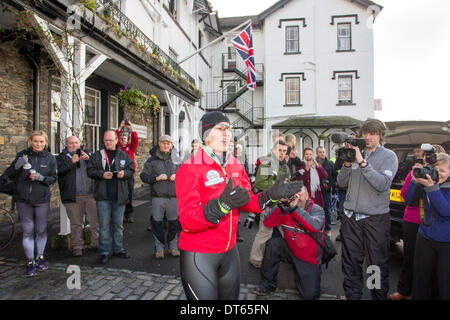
[169, 208]
[84, 205]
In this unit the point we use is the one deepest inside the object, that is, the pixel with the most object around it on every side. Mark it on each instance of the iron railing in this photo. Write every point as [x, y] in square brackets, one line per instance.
[234, 62]
[110, 10]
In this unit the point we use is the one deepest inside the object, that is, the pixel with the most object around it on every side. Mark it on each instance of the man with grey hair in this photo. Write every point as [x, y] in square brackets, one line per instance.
[110, 168]
[159, 171]
[76, 190]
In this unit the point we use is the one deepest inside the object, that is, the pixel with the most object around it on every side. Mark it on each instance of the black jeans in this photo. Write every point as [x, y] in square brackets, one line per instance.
[367, 238]
[405, 280]
[431, 268]
[307, 275]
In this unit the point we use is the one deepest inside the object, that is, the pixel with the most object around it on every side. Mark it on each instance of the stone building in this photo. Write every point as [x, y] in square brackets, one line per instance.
[77, 56]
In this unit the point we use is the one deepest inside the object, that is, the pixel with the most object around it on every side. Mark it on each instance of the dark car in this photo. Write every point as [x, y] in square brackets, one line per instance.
[402, 138]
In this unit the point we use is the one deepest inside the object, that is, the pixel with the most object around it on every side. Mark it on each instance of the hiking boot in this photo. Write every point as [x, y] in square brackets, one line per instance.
[77, 252]
[31, 269]
[263, 291]
[41, 264]
[174, 252]
[159, 255]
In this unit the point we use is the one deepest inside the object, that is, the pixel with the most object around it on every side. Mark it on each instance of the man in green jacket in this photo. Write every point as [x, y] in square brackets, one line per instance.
[272, 167]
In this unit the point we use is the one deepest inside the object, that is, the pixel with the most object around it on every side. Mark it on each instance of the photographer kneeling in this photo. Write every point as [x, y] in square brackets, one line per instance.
[295, 247]
[432, 252]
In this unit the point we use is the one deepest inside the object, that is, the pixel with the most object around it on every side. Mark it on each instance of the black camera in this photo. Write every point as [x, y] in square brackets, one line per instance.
[427, 169]
[127, 123]
[248, 223]
[347, 154]
[78, 152]
[287, 203]
[430, 153]
[430, 159]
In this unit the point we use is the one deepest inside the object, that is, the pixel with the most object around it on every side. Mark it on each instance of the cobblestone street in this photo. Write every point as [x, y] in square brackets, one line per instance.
[98, 283]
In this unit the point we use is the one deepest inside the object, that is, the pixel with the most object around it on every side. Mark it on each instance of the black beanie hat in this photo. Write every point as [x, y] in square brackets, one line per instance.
[209, 120]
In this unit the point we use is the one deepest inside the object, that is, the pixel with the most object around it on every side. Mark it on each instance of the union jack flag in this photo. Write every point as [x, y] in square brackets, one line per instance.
[244, 46]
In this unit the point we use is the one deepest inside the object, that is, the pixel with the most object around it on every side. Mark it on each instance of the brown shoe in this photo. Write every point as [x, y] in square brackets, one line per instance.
[398, 296]
[174, 252]
[159, 255]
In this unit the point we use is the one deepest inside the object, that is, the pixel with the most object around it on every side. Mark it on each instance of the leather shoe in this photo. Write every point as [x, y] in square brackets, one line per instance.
[104, 259]
[122, 254]
[398, 296]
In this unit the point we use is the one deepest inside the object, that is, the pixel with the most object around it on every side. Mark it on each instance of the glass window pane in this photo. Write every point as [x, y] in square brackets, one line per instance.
[114, 113]
[292, 39]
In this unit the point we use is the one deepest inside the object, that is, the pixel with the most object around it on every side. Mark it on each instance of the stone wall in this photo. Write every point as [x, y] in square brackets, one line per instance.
[16, 107]
[145, 145]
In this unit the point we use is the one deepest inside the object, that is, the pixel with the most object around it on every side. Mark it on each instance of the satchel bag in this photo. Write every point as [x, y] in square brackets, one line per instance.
[328, 249]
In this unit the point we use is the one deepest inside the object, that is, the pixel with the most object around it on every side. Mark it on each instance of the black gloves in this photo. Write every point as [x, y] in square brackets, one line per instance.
[279, 190]
[230, 199]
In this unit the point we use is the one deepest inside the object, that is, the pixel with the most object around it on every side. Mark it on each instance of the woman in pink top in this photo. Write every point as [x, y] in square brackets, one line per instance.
[411, 222]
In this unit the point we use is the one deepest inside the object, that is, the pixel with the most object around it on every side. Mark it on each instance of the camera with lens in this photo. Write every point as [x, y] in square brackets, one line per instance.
[287, 202]
[127, 123]
[347, 154]
[430, 159]
[78, 152]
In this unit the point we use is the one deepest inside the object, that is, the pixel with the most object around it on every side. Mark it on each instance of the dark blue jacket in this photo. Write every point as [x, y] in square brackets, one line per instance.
[437, 215]
[34, 191]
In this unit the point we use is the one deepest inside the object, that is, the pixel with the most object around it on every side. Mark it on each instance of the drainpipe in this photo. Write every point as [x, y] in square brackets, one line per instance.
[34, 61]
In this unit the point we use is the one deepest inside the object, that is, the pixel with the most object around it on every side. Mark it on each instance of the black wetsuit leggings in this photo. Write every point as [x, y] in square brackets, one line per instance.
[211, 276]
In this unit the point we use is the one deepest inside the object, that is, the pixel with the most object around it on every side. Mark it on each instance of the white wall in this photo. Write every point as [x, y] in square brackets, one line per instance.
[318, 43]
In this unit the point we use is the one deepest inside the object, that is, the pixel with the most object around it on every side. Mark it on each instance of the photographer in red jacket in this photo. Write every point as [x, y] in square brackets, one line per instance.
[211, 187]
[296, 247]
[129, 146]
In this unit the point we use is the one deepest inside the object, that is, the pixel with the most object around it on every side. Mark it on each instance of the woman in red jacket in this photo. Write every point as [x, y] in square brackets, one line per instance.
[211, 187]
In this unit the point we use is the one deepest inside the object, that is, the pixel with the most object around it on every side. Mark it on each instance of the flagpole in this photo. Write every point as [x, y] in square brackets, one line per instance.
[216, 40]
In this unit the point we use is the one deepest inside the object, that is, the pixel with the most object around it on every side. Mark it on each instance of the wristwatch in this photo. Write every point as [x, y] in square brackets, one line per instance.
[362, 162]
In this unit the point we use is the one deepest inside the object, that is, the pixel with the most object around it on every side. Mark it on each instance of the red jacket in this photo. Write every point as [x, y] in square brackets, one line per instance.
[198, 180]
[131, 146]
[302, 246]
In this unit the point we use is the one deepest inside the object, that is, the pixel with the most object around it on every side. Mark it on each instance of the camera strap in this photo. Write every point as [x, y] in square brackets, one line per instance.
[422, 212]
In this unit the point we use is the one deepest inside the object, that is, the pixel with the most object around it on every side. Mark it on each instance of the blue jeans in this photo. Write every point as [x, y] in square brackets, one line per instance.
[110, 214]
[326, 208]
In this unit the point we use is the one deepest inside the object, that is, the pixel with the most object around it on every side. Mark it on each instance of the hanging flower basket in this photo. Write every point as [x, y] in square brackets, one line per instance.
[134, 100]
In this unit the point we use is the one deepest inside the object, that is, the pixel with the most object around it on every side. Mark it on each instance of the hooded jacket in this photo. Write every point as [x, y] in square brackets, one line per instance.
[435, 224]
[157, 165]
[301, 245]
[34, 191]
[199, 180]
[269, 171]
[97, 165]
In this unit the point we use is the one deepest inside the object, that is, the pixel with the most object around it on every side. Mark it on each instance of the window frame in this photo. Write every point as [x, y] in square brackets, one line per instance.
[349, 37]
[294, 40]
[96, 127]
[345, 102]
[287, 81]
[113, 112]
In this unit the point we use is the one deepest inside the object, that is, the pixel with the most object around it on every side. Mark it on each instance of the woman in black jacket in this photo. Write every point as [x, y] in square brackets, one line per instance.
[35, 171]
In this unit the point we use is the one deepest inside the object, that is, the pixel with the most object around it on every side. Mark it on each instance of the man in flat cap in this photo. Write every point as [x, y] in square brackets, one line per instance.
[159, 171]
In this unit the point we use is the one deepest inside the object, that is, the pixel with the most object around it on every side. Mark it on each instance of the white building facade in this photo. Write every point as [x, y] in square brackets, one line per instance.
[318, 69]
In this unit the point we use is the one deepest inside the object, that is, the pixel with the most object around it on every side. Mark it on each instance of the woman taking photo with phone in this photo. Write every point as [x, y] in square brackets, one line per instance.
[35, 171]
[211, 187]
